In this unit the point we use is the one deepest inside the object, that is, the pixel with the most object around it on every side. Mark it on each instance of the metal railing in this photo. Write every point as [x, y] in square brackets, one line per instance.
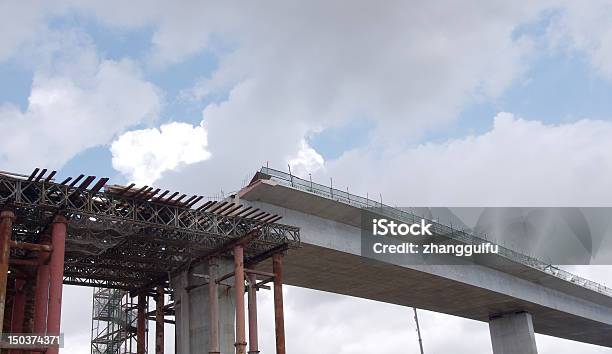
[463, 236]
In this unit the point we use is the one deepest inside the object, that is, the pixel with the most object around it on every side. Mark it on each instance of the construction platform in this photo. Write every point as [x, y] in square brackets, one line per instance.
[81, 231]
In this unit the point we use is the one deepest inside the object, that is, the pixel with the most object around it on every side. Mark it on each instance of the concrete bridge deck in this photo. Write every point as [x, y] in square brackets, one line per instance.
[330, 260]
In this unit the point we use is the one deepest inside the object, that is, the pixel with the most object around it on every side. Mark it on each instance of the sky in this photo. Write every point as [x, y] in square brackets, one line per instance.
[438, 103]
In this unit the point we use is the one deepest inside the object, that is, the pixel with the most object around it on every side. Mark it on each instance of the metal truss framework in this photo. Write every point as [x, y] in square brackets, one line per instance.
[128, 238]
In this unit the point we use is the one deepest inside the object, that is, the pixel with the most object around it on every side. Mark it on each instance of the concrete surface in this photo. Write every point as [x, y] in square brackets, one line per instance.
[191, 306]
[330, 260]
[512, 333]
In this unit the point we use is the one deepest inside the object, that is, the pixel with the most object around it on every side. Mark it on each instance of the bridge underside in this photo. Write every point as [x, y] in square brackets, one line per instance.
[321, 268]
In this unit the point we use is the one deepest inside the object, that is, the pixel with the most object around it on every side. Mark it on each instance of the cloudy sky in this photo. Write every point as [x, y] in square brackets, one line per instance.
[426, 103]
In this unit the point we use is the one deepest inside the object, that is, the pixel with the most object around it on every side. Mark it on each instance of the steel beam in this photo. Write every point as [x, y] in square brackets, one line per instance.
[31, 246]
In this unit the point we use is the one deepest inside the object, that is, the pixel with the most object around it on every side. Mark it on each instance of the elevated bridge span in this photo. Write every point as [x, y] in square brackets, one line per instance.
[518, 290]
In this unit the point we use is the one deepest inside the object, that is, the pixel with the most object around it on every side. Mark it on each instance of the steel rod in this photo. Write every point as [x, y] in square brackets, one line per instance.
[258, 272]
[416, 320]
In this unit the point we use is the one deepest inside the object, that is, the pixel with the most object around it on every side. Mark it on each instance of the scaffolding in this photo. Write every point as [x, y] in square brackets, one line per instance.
[125, 241]
[113, 327]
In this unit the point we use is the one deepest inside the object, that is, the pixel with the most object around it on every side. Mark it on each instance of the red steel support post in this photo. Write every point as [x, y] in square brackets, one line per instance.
[253, 341]
[56, 277]
[279, 317]
[41, 297]
[6, 230]
[239, 287]
[19, 303]
[159, 321]
[213, 308]
[140, 325]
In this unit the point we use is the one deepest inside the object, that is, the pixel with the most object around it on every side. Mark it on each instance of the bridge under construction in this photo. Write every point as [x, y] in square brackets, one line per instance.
[195, 259]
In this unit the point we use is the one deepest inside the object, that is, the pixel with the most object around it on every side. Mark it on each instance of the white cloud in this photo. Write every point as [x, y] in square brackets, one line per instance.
[19, 23]
[143, 155]
[307, 160]
[517, 162]
[302, 67]
[77, 101]
[406, 64]
[584, 27]
[411, 66]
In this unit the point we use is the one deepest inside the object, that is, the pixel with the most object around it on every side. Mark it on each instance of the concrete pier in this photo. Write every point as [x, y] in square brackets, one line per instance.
[192, 310]
[513, 334]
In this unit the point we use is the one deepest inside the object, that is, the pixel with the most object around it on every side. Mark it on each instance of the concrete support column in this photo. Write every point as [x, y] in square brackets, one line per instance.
[159, 321]
[279, 316]
[513, 334]
[193, 327]
[253, 340]
[213, 307]
[140, 325]
[239, 288]
[6, 230]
